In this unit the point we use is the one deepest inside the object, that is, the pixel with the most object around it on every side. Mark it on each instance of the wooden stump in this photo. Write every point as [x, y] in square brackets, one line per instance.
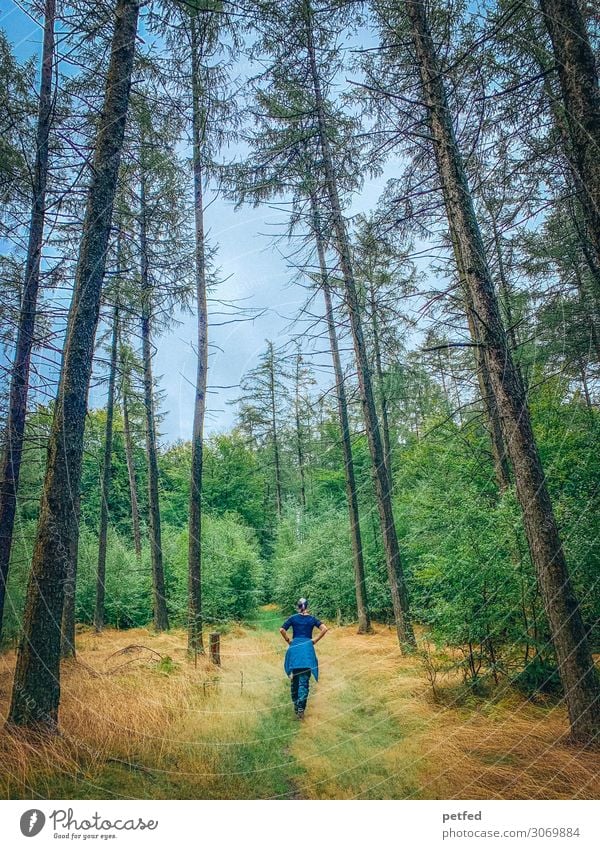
[215, 648]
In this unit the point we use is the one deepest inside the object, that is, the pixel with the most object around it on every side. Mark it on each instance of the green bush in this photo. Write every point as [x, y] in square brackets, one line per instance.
[231, 575]
[313, 558]
[128, 598]
[231, 570]
[17, 579]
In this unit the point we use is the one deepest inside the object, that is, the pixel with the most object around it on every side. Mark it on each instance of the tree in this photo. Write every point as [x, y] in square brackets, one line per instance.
[106, 473]
[382, 482]
[157, 184]
[36, 687]
[576, 666]
[301, 411]
[299, 130]
[578, 76]
[362, 607]
[17, 108]
[161, 616]
[129, 366]
[12, 448]
[382, 269]
[199, 119]
[260, 409]
[203, 26]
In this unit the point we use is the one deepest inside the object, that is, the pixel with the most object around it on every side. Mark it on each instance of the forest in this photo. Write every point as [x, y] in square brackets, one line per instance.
[413, 446]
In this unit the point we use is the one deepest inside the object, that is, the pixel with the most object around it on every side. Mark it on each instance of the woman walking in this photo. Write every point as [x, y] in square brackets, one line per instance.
[301, 658]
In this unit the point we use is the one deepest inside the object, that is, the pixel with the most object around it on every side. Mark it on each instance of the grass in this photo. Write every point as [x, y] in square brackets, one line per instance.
[146, 722]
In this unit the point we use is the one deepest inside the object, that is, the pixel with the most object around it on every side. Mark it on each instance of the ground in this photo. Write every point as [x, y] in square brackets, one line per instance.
[138, 721]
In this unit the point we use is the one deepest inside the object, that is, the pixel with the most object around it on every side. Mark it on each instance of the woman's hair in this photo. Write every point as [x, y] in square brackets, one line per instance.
[302, 604]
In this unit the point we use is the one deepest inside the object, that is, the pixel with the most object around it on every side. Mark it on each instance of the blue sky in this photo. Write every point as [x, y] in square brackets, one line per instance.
[254, 273]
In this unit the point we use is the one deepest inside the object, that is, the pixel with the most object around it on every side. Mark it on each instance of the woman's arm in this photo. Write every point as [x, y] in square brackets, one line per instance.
[321, 634]
[283, 633]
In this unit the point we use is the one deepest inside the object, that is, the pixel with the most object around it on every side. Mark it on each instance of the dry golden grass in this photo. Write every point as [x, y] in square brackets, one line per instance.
[374, 731]
[136, 726]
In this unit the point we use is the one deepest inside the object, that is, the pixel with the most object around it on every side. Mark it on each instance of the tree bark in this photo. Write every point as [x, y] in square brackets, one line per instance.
[576, 667]
[505, 294]
[578, 76]
[36, 687]
[106, 477]
[299, 444]
[12, 450]
[574, 178]
[273, 405]
[195, 644]
[395, 571]
[161, 616]
[362, 606]
[67, 648]
[383, 401]
[133, 495]
[492, 418]
[491, 413]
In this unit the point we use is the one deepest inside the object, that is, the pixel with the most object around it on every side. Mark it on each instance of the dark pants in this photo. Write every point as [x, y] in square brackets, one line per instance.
[300, 679]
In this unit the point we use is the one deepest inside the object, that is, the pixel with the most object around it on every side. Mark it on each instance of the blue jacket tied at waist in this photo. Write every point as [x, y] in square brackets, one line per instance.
[301, 654]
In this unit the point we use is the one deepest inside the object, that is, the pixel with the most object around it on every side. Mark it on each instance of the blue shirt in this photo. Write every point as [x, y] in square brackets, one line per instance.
[302, 625]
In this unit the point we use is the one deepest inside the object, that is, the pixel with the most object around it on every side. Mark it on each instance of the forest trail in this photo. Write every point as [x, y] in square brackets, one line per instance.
[136, 725]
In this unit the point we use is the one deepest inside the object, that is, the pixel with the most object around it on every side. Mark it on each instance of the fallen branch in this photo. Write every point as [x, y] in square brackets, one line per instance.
[131, 648]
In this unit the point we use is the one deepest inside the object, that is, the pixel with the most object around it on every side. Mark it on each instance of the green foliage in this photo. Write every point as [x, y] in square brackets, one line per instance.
[539, 674]
[166, 665]
[128, 600]
[17, 579]
[17, 108]
[313, 558]
[233, 480]
[462, 546]
[231, 575]
[464, 550]
[469, 573]
[231, 570]
[119, 503]
[568, 435]
[175, 465]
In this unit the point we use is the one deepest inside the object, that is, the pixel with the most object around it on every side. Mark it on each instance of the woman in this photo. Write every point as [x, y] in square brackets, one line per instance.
[301, 658]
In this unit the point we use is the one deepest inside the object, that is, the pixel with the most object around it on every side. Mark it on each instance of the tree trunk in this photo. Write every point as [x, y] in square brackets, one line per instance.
[398, 589]
[36, 687]
[135, 510]
[274, 430]
[362, 607]
[383, 401]
[106, 476]
[578, 77]
[504, 288]
[195, 643]
[576, 667]
[492, 418]
[545, 63]
[12, 449]
[67, 648]
[299, 444]
[161, 617]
